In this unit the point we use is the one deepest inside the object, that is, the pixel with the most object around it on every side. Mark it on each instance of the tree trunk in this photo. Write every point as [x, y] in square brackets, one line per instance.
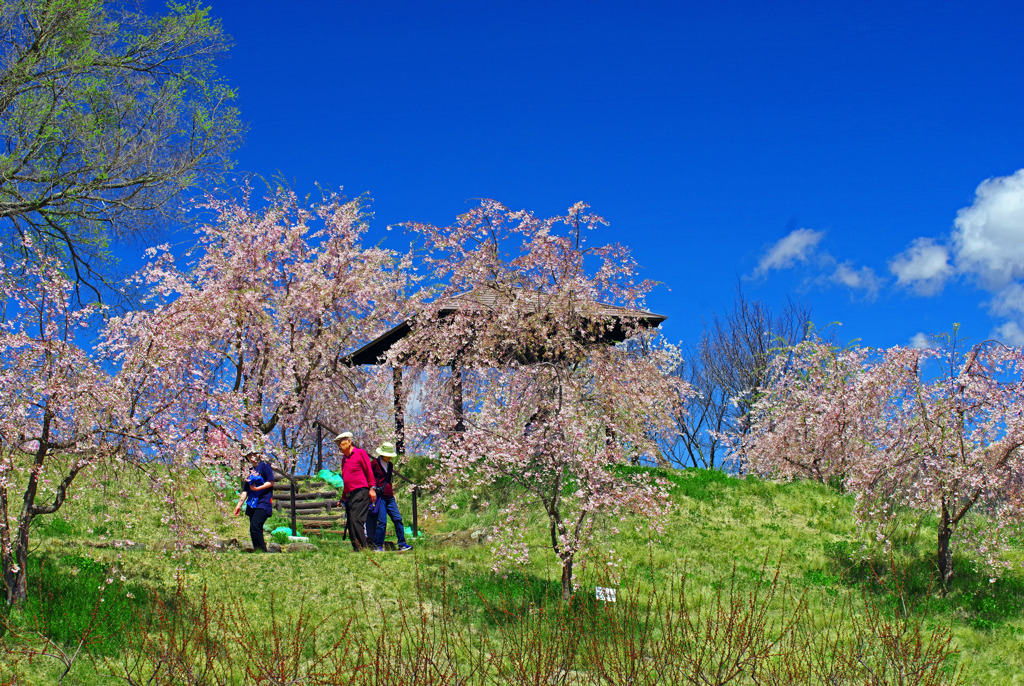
[17, 582]
[945, 555]
[17, 593]
[10, 582]
[565, 557]
[566, 579]
[17, 585]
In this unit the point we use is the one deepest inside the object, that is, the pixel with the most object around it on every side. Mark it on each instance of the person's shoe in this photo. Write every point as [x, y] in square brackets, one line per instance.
[404, 547]
[378, 549]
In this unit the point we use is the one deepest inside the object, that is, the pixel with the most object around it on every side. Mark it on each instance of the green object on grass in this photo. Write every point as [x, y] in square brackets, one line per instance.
[331, 478]
[282, 530]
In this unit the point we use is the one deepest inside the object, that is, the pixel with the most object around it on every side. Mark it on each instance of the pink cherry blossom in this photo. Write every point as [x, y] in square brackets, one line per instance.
[247, 340]
[932, 430]
[518, 336]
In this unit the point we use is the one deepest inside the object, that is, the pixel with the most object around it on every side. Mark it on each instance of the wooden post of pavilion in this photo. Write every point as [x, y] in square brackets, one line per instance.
[319, 448]
[460, 424]
[396, 382]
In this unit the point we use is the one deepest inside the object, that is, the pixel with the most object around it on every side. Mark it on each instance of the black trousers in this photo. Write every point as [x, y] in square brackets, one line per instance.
[358, 504]
[257, 518]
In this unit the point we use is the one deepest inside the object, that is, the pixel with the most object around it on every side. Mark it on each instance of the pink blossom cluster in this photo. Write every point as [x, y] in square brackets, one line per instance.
[249, 338]
[544, 402]
[931, 430]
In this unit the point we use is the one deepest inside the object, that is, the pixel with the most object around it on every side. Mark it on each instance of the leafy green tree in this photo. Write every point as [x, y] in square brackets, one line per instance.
[106, 116]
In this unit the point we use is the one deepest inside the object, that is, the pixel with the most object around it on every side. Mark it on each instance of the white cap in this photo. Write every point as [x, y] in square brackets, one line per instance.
[343, 434]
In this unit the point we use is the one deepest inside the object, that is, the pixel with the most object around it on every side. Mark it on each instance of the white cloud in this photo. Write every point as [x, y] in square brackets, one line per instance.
[923, 267]
[989, 235]
[857, 279]
[1008, 302]
[922, 341]
[801, 246]
[986, 247]
[1010, 333]
[798, 246]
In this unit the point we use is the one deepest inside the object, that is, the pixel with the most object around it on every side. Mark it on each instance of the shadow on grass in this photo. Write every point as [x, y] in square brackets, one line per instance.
[501, 600]
[498, 598]
[71, 596]
[907, 582]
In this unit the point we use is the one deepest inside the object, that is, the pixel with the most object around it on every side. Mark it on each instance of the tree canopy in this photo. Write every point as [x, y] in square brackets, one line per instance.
[543, 399]
[106, 116]
[933, 430]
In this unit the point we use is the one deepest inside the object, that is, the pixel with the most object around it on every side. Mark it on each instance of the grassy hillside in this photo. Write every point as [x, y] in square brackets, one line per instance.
[724, 533]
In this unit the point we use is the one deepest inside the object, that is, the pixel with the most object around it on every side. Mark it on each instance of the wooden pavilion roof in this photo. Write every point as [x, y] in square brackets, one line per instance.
[487, 298]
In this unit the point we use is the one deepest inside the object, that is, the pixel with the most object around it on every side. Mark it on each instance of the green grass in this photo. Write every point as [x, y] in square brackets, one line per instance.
[720, 523]
[695, 484]
[70, 594]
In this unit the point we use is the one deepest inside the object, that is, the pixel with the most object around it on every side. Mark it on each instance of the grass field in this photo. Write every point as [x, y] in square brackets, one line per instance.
[792, 550]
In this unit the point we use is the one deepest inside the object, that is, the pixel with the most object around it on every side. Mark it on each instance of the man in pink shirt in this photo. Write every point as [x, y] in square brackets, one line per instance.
[359, 489]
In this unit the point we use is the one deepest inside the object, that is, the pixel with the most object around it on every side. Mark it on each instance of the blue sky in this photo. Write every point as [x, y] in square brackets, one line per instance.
[857, 156]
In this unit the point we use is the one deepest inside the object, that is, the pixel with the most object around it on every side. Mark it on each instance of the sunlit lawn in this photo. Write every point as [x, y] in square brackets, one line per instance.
[720, 526]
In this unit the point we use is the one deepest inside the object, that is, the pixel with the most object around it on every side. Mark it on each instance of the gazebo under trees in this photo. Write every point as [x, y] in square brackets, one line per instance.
[604, 325]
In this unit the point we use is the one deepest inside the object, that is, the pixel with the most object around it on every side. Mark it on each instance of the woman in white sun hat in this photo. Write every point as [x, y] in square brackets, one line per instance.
[383, 473]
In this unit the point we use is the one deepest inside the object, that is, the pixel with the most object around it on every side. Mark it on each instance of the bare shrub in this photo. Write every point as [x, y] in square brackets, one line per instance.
[430, 644]
[176, 643]
[751, 629]
[624, 646]
[852, 643]
[539, 646]
[193, 640]
[297, 648]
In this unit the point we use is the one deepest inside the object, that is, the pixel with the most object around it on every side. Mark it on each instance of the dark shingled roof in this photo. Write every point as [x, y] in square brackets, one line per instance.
[490, 298]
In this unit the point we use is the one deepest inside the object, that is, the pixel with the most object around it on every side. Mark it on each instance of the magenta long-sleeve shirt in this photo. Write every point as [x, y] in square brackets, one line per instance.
[357, 472]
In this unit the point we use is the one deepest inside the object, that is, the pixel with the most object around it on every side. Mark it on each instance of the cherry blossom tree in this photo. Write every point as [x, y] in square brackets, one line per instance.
[931, 430]
[952, 443]
[808, 421]
[259, 321]
[239, 347]
[536, 395]
[63, 409]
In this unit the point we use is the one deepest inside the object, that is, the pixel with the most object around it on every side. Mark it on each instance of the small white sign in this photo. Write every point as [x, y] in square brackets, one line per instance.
[606, 594]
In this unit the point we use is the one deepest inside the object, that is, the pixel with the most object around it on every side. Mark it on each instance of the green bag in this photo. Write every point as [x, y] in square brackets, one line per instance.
[331, 478]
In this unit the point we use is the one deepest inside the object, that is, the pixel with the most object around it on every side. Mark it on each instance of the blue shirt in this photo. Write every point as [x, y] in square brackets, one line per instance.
[262, 473]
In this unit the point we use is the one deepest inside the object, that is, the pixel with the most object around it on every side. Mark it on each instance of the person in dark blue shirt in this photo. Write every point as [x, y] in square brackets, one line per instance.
[258, 497]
